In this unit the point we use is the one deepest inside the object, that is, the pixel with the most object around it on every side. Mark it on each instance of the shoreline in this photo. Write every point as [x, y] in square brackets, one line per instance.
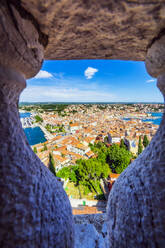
[47, 135]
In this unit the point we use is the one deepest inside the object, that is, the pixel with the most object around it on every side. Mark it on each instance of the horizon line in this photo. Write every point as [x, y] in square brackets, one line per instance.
[94, 102]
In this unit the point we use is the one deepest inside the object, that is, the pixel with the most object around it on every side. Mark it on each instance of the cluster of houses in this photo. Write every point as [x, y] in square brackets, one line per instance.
[89, 125]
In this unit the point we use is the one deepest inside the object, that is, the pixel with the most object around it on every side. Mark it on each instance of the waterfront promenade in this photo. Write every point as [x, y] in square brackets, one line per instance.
[47, 135]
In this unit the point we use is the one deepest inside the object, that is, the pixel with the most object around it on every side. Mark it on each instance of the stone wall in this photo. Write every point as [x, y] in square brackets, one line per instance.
[90, 29]
[91, 231]
[34, 209]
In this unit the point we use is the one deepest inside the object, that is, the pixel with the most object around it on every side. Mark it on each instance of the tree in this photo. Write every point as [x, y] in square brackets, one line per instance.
[145, 141]
[74, 176]
[122, 145]
[45, 147]
[38, 118]
[62, 155]
[64, 172]
[91, 171]
[140, 146]
[35, 149]
[118, 158]
[106, 140]
[52, 164]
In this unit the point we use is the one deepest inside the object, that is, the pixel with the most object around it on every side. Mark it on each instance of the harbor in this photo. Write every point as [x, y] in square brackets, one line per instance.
[34, 131]
[27, 122]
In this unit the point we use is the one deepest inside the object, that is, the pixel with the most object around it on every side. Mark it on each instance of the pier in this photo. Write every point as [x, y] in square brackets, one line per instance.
[27, 122]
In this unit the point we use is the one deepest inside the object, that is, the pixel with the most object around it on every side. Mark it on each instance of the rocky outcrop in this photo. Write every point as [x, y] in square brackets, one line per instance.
[83, 29]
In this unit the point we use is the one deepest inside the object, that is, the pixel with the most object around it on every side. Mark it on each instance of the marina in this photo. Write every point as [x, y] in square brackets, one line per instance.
[34, 132]
[27, 122]
[34, 135]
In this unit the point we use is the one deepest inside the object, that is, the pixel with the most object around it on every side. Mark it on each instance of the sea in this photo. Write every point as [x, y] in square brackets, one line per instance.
[157, 118]
[155, 121]
[34, 135]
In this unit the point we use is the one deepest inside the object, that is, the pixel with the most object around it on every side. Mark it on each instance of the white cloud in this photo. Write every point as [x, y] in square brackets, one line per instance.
[60, 94]
[151, 80]
[43, 74]
[90, 72]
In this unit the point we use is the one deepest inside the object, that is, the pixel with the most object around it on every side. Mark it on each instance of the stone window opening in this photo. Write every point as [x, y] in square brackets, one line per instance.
[35, 211]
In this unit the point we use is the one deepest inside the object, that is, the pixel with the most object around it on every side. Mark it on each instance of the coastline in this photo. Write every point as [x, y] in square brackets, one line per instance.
[154, 118]
[47, 135]
[40, 135]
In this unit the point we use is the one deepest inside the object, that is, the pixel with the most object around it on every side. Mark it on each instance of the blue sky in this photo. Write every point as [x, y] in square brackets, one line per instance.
[92, 81]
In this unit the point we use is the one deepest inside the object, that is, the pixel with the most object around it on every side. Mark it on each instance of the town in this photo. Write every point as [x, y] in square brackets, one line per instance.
[72, 131]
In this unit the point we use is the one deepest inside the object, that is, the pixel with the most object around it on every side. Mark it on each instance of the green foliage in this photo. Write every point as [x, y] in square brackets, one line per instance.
[38, 118]
[74, 175]
[45, 147]
[145, 141]
[106, 140]
[52, 164]
[118, 158]
[140, 146]
[53, 107]
[100, 197]
[98, 148]
[48, 128]
[60, 129]
[73, 111]
[55, 129]
[64, 172]
[122, 145]
[28, 109]
[91, 171]
[87, 173]
[102, 107]
[35, 149]
[88, 105]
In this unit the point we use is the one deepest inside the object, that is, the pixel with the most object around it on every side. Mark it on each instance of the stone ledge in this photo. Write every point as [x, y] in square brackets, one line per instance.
[91, 231]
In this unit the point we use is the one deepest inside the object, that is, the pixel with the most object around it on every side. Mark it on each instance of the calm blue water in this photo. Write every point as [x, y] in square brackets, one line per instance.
[24, 115]
[34, 135]
[154, 121]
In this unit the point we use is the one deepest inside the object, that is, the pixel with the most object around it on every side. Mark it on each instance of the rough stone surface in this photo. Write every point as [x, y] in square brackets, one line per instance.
[34, 210]
[20, 45]
[155, 59]
[95, 219]
[136, 205]
[86, 236]
[91, 231]
[105, 29]
[161, 83]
